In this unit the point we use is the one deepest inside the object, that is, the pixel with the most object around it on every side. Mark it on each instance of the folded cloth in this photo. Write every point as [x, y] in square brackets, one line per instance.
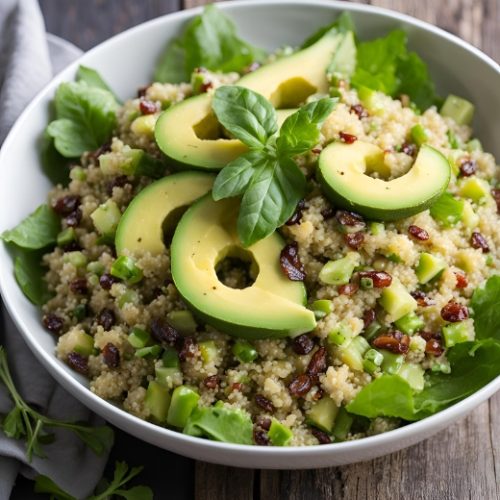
[28, 60]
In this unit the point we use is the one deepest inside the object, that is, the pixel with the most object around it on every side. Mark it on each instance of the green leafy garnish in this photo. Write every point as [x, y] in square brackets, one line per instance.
[29, 273]
[342, 24]
[447, 210]
[38, 230]
[23, 422]
[92, 78]
[208, 41]
[85, 118]
[109, 489]
[220, 424]
[484, 303]
[266, 176]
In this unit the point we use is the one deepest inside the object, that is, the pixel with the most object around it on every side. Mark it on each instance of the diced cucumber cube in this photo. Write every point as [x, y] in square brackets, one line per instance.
[322, 414]
[182, 321]
[208, 351]
[158, 401]
[410, 323]
[429, 266]
[413, 374]
[458, 109]
[106, 218]
[170, 358]
[139, 338]
[339, 272]
[279, 434]
[474, 188]
[343, 424]
[419, 134]
[321, 308]
[184, 401]
[125, 268]
[392, 362]
[455, 333]
[396, 300]
[352, 353]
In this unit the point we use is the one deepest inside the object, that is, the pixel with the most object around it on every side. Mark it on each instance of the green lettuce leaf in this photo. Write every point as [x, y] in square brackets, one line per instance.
[485, 303]
[30, 275]
[342, 24]
[92, 78]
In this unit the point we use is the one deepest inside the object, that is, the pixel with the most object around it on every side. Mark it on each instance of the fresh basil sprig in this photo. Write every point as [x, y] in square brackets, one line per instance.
[269, 180]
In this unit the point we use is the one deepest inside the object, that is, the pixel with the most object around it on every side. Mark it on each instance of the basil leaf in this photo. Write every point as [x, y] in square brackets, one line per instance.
[484, 303]
[92, 114]
[44, 484]
[235, 177]
[38, 230]
[93, 79]
[301, 131]
[135, 493]
[270, 199]
[54, 165]
[248, 116]
[343, 24]
[208, 41]
[30, 276]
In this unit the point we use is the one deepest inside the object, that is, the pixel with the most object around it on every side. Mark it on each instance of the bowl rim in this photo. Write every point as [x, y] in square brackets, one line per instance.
[123, 419]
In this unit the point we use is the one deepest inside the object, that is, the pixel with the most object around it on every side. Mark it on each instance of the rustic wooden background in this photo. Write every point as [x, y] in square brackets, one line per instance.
[462, 462]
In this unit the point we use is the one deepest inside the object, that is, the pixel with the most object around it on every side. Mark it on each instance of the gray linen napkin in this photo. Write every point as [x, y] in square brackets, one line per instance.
[28, 60]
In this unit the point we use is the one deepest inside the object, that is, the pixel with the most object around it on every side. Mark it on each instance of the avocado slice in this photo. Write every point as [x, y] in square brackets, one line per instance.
[273, 306]
[343, 168]
[141, 225]
[189, 133]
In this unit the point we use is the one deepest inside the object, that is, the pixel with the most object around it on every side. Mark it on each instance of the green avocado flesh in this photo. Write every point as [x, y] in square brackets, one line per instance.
[273, 306]
[343, 169]
[141, 226]
[189, 133]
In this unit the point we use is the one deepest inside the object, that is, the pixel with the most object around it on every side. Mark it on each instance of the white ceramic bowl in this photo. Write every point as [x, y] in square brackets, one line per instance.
[126, 62]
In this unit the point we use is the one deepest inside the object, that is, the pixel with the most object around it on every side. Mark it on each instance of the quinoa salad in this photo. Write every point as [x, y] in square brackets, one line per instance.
[285, 249]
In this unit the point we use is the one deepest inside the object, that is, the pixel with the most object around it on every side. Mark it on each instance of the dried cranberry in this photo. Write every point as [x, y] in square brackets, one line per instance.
[66, 204]
[118, 181]
[328, 212]
[141, 91]
[468, 168]
[163, 332]
[303, 344]
[393, 341]
[147, 107]
[317, 364]
[380, 279]
[290, 262]
[418, 233]
[359, 110]
[318, 394]
[104, 148]
[264, 403]
[53, 323]
[297, 216]
[348, 289]
[347, 138]
[422, 299]
[462, 281]
[106, 281]
[111, 355]
[408, 148]
[369, 317]
[496, 195]
[477, 240]
[211, 382]
[260, 437]
[74, 218]
[263, 422]
[354, 240]
[434, 347]
[317, 150]
[205, 86]
[321, 436]
[72, 246]
[79, 286]
[350, 219]
[237, 386]
[454, 312]
[300, 385]
[189, 349]
[106, 318]
[78, 362]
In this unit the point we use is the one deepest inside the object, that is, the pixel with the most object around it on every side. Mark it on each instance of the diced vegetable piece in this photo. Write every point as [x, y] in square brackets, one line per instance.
[80, 342]
[76, 258]
[163, 374]
[410, 323]
[125, 268]
[78, 174]
[453, 140]
[396, 300]
[469, 218]
[170, 358]
[454, 333]
[352, 353]
[144, 125]
[95, 267]
[377, 228]
[66, 236]
[372, 360]
[208, 351]
[413, 374]
[392, 362]
[139, 338]
[321, 308]
[343, 424]
[322, 414]
[128, 297]
[279, 434]
[106, 218]
[372, 329]
[447, 210]
[458, 109]
[182, 321]
[370, 99]
[474, 145]
[429, 266]
[79, 312]
[474, 188]
[340, 334]
[152, 351]
[157, 401]
[244, 351]
[339, 272]
[131, 162]
[419, 134]
[184, 401]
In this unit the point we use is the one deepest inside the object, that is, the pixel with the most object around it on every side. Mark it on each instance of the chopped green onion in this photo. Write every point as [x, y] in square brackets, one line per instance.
[125, 268]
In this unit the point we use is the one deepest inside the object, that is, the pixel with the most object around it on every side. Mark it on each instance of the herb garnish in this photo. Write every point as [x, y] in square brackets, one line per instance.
[269, 180]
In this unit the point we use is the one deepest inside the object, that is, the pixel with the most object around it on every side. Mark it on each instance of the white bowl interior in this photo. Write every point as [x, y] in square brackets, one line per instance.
[126, 62]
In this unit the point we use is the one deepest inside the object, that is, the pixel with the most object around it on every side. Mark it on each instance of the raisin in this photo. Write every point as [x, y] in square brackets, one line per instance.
[329, 212]
[300, 385]
[188, 349]
[66, 204]
[496, 195]
[393, 341]
[350, 219]
[321, 436]
[290, 262]
[418, 233]
[303, 344]
[106, 281]
[260, 437]
[297, 216]
[462, 281]
[454, 312]
[477, 240]
[72, 246]
[263, 422]
[380, 279]
[74, 218]
[468, 168]
[434, 347]
[317, 364]
[165, 333]
[348, 289]
[111, 355]
[422, 299]
[53, 323]
[369, 317]
[354, 240]
[211, 382]
[430, 335]
[118, 181]
[318, 394]
[106, 319]
[78, 363]
[79, 286]
[408, 148]
[237, 386]
[347, 138]
[147, 107]
[141, 91]
[264, 403]
[104, 148]
[359, 110]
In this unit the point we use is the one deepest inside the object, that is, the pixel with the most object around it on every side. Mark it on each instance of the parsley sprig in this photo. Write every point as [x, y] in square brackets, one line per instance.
[267, 177]
[23, 422]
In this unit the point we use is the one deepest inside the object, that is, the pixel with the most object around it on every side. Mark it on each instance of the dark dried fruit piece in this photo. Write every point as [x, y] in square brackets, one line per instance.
[462, 281]
[211, 382]
[354, 240]
[78, 363]
[141, 91]
[79, 286]
[303, 344]
[317, 364]
[393, 341]
[434, 347]
[347, 138]
[422, 299]
[321, 436]
[477, 240]
[418, 233]
[408, 148]
[350, 219]
[260, 437]
[264, 403]
[147, 107]
[53, 323]
[468, 167]
[328, 212]
[118, 181]
[66, 204]
[454, 312]
[297, 216]
[74, 218]
[189, 349]
[290, 262]
[106, 318]
[496, 195]
[106, 281]
[359, 110]
[300, 385]
[380, 279]
[348, 289]
[369, 317]
[163, 332]
[111, 355]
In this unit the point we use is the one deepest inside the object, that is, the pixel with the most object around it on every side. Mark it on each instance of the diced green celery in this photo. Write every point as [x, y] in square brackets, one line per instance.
[447, 210]
[339, 272]
[343, 424]
[244, 351]
[372, 329]
[396, 300]
[279, 434]
[458, 109]
[340, 334]
[474, 188]
[372, 360]
[152, 351]
[370, 100]
[474, 145]
[184, 401]
[125, 268]
[131, 162]
[66, 236]
[79, 312]
[376, 228]
[322, 414]
[208, 351]
[80, 342]
[410, 323]
[95, 267]
[419, 134]
[455, 333]
[321, 308]
[128, 297]
[139, 338]
[366, 283]
[93, 280]
[469, 218]
[170, 358]
[106, 218]
[429, 266]
[352, 353]
[163, 374]
[182, 321]
[413, 374]
[392, 362]
[76, 258]
[490, 261]
[157, 401]
[453, 140]
[78, 174]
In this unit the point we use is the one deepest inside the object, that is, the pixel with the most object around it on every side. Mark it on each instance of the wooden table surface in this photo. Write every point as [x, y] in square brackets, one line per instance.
[462, 462]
